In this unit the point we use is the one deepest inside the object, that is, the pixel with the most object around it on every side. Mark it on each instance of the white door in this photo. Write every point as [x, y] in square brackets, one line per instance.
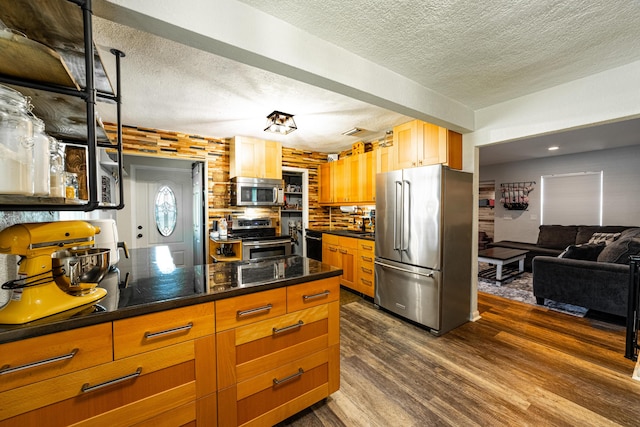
[159, 211]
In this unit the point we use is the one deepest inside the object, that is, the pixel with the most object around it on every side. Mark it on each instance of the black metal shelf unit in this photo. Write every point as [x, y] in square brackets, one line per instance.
[88, 94]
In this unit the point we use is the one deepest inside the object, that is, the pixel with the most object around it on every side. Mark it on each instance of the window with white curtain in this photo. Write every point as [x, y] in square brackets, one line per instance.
[571, 199]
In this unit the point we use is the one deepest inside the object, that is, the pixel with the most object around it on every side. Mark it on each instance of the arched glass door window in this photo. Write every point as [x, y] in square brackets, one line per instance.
[166, 210]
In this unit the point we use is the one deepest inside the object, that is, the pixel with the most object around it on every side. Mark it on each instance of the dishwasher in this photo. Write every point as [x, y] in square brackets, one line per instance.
[314, 244]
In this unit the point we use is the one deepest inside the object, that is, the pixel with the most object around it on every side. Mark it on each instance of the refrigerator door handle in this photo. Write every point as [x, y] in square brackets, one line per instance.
[393, 267]
[397, 217]
[406, 214]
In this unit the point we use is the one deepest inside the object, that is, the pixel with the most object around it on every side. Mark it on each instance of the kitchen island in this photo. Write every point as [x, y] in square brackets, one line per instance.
[240, 343]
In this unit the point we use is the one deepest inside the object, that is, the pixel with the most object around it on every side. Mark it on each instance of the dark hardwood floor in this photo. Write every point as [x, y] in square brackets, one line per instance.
[518, 365]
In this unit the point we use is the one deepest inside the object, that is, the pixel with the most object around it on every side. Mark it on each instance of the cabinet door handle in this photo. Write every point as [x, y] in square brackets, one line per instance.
[333, 249]
[289, 378]
[366, 258]
[366, 282]
[7, 369]
[343, 251]
[367, 247]
[366, 270]
[186, 327]
[252, 311]
[288, 328]
[86, 388]
[320, 295]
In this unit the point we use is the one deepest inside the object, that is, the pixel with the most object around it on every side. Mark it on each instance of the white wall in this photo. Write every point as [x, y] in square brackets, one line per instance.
[621, 179]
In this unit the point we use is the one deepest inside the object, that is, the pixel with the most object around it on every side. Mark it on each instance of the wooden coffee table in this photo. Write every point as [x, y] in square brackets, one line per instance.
[501, 257]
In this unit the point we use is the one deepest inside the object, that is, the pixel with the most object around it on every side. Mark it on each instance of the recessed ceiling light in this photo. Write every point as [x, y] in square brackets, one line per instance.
[553, 148]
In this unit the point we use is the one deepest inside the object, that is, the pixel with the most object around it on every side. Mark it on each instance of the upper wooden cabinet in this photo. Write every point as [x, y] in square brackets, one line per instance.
[418, 143]
[348, 180]
[255, 158]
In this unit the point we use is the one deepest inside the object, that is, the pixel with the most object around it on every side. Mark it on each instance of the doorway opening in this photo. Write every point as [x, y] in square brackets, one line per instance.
[165, 206]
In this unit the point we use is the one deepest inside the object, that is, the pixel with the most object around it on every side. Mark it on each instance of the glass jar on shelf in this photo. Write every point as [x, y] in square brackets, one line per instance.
[41, 158]
[16, 143]
[71, 185]
[56, 169]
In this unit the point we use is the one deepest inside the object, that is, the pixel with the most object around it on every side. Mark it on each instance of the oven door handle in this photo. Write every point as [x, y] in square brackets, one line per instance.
[262, 244]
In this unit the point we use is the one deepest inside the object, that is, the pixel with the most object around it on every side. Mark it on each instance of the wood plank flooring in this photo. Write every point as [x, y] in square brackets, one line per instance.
[518, 365]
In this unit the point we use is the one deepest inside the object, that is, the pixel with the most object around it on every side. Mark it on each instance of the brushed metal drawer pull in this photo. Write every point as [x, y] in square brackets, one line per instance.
[366, 282]
[86, 388]
[320, 295]
[186, 327]
[367, 247]
[288, 328]
[343, 251]
[289, 378]
[7, 369]
[253, 311]
[366, 258]
[366, 270]
[333, 249]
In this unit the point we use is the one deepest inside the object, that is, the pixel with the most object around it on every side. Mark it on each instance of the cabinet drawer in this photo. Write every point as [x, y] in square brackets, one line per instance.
[84, 394]
[257, 348]
[36, 359]
[312, 294]
[348, 242]
[331, 239]
[366, 246]
[156, 330]
[262, 401]
[245, 309]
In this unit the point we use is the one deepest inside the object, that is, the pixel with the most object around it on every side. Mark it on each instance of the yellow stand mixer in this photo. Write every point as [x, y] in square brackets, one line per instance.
[59, 269]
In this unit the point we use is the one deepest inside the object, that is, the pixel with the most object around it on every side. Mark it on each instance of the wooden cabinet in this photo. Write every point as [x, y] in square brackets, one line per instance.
[365, 281]
[348, 180]
[255, 158]
[418, 143]
[384, 159]
[367, 177]
[340, 252]
[273, 363]
[325, 183]
[150, 368]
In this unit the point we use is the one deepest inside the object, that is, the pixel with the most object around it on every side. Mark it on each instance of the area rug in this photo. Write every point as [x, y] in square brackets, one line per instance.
[520, 288]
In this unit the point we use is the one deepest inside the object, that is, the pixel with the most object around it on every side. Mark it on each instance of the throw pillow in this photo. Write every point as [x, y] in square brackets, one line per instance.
[556, 236]
[619, 251]
[606, 238]
[586, 252]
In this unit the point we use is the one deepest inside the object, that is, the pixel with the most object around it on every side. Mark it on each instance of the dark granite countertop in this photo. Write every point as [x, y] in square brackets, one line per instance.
[369, 235]
[148, 282]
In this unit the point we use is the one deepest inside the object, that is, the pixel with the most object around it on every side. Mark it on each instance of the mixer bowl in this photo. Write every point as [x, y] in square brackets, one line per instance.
[78, 271]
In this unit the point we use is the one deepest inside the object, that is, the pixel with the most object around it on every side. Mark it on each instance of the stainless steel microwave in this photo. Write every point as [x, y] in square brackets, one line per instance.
[257, 192]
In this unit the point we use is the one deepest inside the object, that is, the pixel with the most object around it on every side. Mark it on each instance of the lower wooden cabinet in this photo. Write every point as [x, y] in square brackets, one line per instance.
[365, 281]
[273, 368]
[169, 380]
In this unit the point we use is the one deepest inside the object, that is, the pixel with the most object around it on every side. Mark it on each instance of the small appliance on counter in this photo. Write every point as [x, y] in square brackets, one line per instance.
[108, 239]
[59, 269]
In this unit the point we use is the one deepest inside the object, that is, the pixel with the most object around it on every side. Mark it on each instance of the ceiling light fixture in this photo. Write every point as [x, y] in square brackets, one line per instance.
[282, 123]
[553, 148]
[352, 132]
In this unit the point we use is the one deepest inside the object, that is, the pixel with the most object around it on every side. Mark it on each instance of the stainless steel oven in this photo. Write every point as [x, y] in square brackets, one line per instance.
[264, 247]
[259, 238]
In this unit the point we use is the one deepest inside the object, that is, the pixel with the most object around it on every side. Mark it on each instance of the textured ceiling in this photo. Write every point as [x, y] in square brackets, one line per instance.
[476, 53]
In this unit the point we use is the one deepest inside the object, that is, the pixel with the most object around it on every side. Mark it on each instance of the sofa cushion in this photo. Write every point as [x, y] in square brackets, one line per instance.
[630, 232]
[557, 236]
[586, 231]
[586, 252]
[605, 238]
[619, 251]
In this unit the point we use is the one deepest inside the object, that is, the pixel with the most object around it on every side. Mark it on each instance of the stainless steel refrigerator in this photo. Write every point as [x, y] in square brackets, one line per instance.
[423, 245]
